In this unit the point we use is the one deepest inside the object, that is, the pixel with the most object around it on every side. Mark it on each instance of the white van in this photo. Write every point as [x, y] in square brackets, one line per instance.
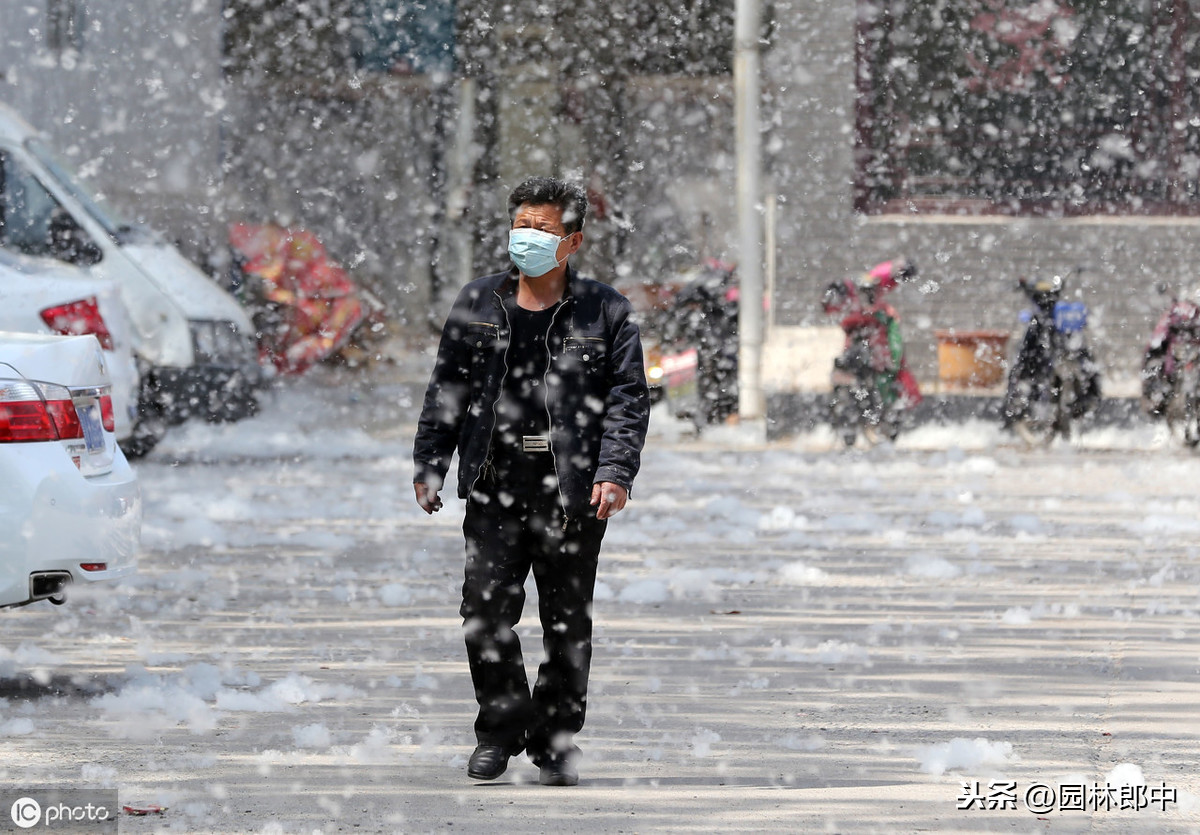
[195, 340]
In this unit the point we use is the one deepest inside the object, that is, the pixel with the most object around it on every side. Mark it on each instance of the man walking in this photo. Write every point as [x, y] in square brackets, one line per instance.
[539, 386]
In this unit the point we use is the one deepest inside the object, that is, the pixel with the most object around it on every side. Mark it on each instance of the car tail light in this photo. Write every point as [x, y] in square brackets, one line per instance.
[107, 417]
[36, 412]
[93, 566]
[76, 318]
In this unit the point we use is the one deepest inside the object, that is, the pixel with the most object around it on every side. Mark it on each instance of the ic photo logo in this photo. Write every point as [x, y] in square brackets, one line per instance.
[26, 812]
[58, 810]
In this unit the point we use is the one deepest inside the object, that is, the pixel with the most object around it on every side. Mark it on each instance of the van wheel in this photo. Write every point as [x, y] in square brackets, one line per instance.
[150, 428]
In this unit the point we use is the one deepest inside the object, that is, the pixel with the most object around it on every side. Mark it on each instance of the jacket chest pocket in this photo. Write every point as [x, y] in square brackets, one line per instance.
[589, 353]
[484, 340]
[485, 337]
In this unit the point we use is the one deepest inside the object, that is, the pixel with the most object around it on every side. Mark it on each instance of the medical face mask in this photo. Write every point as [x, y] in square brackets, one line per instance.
[534, 251]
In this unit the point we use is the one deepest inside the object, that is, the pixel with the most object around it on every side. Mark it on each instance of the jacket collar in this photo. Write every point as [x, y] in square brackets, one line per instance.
[508, 285]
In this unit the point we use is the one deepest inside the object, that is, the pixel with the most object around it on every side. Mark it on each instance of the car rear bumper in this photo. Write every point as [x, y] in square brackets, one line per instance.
[59, 521]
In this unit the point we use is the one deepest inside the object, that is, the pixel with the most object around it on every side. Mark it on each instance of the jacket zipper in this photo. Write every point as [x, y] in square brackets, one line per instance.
[562, 502]
[487, 458]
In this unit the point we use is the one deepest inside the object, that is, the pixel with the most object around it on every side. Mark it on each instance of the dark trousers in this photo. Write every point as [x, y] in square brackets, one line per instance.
[514, 524]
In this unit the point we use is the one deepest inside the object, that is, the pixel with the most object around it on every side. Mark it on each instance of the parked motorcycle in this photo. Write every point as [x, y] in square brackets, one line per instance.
[873, 388]
[1171, 369]
[1054, 381]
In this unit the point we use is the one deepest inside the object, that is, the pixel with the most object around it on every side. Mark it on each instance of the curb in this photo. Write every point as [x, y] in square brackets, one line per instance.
[793, 413]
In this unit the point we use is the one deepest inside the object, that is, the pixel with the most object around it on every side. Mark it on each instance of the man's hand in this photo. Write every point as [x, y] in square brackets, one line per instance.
[608, 498]
[427, 498]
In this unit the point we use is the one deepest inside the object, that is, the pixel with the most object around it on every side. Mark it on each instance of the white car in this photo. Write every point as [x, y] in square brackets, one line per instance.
[70, 505]
[40, 297]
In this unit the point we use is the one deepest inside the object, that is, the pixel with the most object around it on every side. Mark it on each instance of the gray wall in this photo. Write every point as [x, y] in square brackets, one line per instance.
[968, 267]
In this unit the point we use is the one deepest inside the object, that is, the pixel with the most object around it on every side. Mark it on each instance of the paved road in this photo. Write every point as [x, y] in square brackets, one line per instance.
[791, 637]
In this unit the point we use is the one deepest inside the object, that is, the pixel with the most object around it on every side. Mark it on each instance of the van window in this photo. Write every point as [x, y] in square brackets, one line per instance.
[66, 178]
[33, 222]
[25, 209]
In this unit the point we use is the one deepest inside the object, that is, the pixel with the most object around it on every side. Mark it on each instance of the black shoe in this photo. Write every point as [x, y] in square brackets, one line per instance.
[487, 762]
[558, 771]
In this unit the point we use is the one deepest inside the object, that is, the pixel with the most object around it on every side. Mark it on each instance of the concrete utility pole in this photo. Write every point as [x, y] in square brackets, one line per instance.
[747, 25]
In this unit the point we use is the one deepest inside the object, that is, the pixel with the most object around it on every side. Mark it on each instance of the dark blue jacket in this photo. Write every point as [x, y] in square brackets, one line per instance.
[595, 388]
